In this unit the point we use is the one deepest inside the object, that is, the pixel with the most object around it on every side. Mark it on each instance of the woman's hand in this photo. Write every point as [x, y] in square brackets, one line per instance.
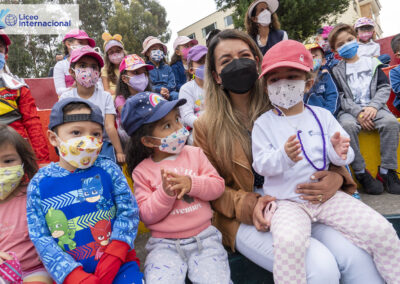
[258, 213]
[326, 184]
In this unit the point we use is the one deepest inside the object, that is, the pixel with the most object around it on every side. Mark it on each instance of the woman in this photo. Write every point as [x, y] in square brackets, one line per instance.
[232, 106]
[262, 24]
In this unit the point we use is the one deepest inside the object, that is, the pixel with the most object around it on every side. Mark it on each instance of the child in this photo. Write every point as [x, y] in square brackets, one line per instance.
[17, 166]
[85, 69]
[82, 217]
[322, 40]
[18, 108]
[61, 76]
[394, 74]
[173, 185]
[323, 93]
[291, 142]
[365, 29]
[114, 53]
[192, 91]
[364, 91]
[178, 62]
[133, 79]
[162, 78]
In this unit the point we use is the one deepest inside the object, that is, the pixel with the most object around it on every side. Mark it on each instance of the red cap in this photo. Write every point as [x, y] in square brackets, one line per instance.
[6, 39]
[79, 34]
[86, 50]
[287, 53]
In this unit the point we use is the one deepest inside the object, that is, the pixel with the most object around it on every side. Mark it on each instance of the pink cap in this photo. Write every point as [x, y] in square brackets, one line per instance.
[86, 50]
[364, 21]
[184, 40]
[79, 34]
[325, 31]
[6, 39]
[150, 41]
[287, 53]
[132, 62]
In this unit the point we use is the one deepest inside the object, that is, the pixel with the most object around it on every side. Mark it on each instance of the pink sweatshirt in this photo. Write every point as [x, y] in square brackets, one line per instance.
[166, 216]
[14, 232]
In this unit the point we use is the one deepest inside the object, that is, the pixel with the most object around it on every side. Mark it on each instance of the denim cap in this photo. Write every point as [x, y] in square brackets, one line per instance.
[57, 116]
[144, 108]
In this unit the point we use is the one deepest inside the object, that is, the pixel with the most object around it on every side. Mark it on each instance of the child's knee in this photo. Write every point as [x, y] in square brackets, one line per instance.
[350, 126]
[291, 239]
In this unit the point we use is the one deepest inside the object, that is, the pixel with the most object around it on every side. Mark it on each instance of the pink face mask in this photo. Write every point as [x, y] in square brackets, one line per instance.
[86, 77]
[185, 52]
[365, 36]
[116, 58]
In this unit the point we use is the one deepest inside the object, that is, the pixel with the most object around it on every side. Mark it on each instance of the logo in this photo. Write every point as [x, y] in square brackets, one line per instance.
[11, 20]
[155, 99]
[3, 12]
[302, 58]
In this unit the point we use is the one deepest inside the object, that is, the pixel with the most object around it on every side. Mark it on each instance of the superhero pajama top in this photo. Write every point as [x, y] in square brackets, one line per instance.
[72, 217]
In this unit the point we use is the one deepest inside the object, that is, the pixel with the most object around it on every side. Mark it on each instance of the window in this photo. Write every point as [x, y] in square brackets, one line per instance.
[192, 36]
[208, 29]
[228, 20]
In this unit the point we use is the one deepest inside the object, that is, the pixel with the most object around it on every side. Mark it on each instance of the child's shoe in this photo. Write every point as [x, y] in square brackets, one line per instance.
[390, 181]
[369, 184]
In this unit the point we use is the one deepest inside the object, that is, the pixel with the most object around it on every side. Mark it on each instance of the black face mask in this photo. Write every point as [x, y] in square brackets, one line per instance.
[239, 75]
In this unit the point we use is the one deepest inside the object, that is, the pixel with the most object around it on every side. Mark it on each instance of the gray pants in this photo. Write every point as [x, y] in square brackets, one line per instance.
[203, 257]
[388, 129]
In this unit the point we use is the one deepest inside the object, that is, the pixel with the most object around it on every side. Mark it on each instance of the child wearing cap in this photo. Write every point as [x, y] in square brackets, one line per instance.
[161, 76]
[173, 185]
[323, 92]
[365, 29]
[192, 91]
[178, 63]
[364, 90]
[290, 142]
[133, 79]
[82, 217]
[322, 40]
[394, 74]
[85, 69]
[61, 76]
[114, 53]
[17, 106]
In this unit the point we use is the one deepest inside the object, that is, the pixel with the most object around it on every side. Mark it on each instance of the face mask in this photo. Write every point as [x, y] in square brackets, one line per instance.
[10, 178]
[317, 64]
[185, 52]
[264, 18]
[239, 75]
[174, 142]
[2, 60]
[156, 55]
[349, 50]
[80, 152]
[365, 36]
[286, 93]
[199, 73]
[116, 58]
[324, 44]
[86, 77]
[138, 82]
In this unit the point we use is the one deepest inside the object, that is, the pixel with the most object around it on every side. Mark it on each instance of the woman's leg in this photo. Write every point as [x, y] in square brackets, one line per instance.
[355, 264]
[321, 265]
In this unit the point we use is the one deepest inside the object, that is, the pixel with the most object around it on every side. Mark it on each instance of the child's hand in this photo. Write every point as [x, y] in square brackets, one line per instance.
[120, 158]
[293, 149]
[166, 184]
[341, 145]
[370, 112]
[165, 93]
[180, 184]
[4, 257]
[365, 123]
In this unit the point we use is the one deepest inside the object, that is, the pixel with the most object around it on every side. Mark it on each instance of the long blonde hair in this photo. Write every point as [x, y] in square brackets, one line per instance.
[227, 125]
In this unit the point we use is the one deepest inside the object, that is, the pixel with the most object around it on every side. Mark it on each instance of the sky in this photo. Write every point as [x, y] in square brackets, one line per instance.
[182, 13]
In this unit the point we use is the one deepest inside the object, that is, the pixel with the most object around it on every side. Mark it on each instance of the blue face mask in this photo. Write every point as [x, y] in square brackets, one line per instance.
[199, 73]
[2, 60]
[317, 64]
[349, 50]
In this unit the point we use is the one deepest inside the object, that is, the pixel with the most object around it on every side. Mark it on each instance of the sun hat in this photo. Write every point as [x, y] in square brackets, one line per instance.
[181, 40]
[79, 34]
[78, 53]
[132, 62]
[272, 6]
[150, 41]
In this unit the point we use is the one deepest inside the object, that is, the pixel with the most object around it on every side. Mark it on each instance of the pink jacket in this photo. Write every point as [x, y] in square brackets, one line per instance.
[166, 216]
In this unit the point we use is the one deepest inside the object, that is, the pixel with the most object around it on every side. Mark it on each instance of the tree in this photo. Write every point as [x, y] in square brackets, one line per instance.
[299, 18]
[138, 20]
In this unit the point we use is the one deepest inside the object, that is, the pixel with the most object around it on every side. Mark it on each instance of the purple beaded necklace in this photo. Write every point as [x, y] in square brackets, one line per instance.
[301, 142]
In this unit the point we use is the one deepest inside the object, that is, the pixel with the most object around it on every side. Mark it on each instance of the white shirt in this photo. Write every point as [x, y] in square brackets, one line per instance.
[194, 106]
[359, 76]
[282, 175]
[369, 49]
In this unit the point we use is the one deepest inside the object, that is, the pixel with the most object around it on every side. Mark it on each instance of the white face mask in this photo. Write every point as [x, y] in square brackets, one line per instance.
[286, 93]
[264, 18]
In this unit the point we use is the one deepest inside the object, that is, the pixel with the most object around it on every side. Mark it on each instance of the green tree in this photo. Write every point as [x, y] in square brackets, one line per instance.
[299, 18]
[138, 20]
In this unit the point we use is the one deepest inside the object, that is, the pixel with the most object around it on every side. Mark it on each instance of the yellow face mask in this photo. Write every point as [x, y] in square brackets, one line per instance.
[10, 178]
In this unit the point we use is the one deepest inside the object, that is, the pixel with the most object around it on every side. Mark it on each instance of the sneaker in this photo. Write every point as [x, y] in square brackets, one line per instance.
[390, 181]
[369, 184]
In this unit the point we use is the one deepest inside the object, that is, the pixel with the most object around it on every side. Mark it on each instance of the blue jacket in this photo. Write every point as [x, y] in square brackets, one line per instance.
[324, 93]
[162, 77]
[394, 76]
[179, 73]
[72, 217]
[331, 61]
